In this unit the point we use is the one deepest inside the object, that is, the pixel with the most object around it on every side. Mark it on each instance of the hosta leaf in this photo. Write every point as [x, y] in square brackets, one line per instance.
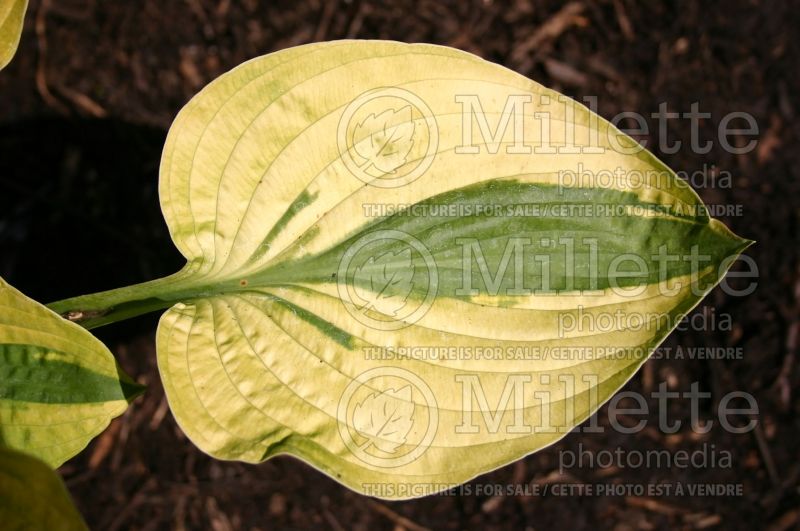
[358, 238]
[59, 386]
[12, 14]
[32, 496]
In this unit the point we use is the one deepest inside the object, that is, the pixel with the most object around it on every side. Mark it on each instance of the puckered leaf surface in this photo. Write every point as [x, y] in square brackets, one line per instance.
[363, 227]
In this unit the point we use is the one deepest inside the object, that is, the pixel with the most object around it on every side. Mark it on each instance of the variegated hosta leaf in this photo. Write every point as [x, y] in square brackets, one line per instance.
[32, 496]
[59, 385]
[402, 353]
[12, 14]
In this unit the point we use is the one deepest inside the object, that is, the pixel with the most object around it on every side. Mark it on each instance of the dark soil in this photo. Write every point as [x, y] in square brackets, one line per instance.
[83, 116]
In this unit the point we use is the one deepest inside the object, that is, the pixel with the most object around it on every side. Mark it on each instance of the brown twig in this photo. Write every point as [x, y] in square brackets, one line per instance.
[624, 22]
[784, 379]
[332, 521]
[82, 101]
[358, 20]
[786, 521]
[158, 416]
[325, 21]
[550, 30]
[40, 25]
[105, 443]
[396, 518]
[135, 501]
[766, 455]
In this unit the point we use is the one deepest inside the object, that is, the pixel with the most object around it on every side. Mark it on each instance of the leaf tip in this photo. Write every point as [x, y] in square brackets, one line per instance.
[737, 244]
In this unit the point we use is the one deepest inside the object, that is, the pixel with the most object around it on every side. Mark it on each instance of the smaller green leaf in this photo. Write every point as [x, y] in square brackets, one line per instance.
[12, 14]
[59, 385]
[32, 496]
